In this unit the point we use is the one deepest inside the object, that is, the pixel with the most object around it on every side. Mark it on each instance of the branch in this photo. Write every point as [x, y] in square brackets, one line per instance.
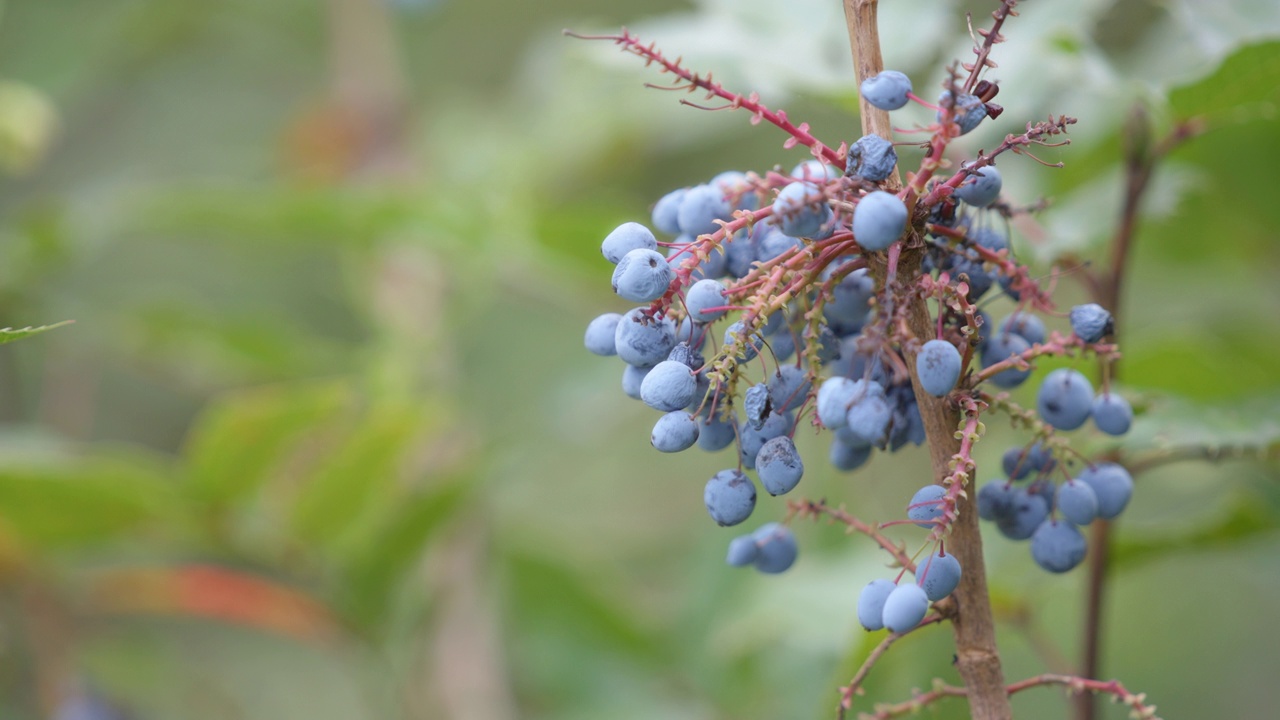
[811, 510]
[854, 688]
[799, 133]
[1137, 702]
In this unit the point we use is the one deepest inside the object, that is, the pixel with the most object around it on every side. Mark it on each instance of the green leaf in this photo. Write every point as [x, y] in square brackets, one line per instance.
[85, 502]
[361, 467]
[1243, 87]
[11, 334]
[569, 610]
[1246, 518]
[238, 443]
[1175, 427]
[379, 566]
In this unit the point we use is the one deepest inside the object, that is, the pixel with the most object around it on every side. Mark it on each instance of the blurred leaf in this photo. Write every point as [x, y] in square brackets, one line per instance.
[1246, 518]
[1178, 427]
[10, 334]
[236, 444]
[215, 593]
[365, 464]
[1243, 86]
[85, 502]
[377, 567]
[554, 600]
[28, 124]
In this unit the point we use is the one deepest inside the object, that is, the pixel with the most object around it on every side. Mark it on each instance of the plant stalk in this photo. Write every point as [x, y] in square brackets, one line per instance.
[977, 659]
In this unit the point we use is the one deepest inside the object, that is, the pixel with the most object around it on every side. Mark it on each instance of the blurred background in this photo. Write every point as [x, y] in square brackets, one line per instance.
[323, 440]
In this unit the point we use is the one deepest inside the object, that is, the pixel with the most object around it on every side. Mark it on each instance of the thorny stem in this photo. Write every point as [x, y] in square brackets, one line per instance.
[691, 81]
[809, 509]
[977, 658]
[854, 688]
[990, 36]
[1137, 702]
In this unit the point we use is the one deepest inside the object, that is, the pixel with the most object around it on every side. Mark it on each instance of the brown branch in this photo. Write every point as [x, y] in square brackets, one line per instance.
[977, 659]
[1141, 162]
[854, 688]
[811, 510]
[1137, 702]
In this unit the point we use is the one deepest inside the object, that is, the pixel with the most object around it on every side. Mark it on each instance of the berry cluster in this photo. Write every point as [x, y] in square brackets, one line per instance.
[803, 269]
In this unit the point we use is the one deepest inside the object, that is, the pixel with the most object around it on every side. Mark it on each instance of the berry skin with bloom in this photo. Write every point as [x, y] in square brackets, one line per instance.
[887, 90]
[878, 219]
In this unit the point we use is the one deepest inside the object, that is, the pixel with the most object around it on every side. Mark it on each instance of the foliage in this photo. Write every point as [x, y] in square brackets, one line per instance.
[334, 391]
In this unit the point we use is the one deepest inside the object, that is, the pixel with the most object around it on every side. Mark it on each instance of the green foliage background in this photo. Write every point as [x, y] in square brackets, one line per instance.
[322, 441]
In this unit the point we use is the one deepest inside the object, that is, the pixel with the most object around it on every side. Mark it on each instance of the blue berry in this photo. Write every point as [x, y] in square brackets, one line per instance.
[1016, 463]
[969, 110]
[814, 170]
[878, 219]
[871, 603]
[772, 242]
[784, 346]
[742, 551]
[627, 237]
[976, 276]
[989, 238]
[750, 347]
[751, 440]
[835, 395]
[1001, 347]
[995, 500]
[599, 335]
[850, 301]
[730, 497]
[669, 386]
[844, 456]
[632, 379]
[1112, 414]
[778, 549]
[981, 188]
[1057, 546]
[938, 366]
[1112, 484]
[701, 206]
[674, 432]
[712, 266]
[1025, 512]
[1041, 457]
[886, 90]
[686, 356]
[715, 434]
[779, 465]
[755, 403]
[735, 184]
[643, 341]
[868, 418]
[905, 607]
[938, 574]
[801, 210]
[739, 254]
[927, 505]
[871, 158]
[665, 213]
[1029, 326]
[1077, 502]
[1091, 322]
[1065, 399]
[642, 275]
[788, 388]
